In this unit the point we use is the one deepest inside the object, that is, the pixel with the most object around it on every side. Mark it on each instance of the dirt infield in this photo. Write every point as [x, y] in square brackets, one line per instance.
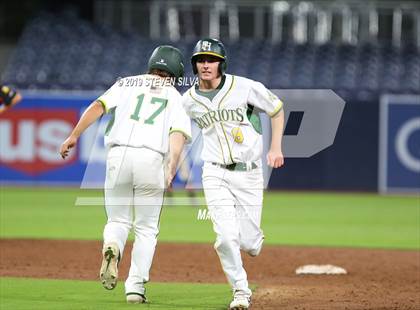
[377, 279]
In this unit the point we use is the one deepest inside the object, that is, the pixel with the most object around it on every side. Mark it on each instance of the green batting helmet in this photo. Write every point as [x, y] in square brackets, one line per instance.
[211, 47]
[167, 58]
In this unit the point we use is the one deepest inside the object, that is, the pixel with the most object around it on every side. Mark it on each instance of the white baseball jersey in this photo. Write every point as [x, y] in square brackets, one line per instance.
[145, 110]
[230, 122]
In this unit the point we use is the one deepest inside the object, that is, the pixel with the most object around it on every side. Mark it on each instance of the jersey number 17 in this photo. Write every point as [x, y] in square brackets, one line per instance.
[159, 102]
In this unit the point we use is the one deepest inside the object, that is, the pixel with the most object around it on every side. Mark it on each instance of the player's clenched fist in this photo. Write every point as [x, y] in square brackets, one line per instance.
[275, 158]
[69, 143]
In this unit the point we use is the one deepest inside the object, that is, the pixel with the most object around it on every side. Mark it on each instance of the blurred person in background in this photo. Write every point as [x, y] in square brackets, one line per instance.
[9, 97]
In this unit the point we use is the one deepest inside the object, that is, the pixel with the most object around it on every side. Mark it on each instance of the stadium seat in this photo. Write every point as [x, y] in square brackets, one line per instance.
[76, 54]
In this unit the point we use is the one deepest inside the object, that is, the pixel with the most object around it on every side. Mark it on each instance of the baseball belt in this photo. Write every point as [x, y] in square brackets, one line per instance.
[236, 166]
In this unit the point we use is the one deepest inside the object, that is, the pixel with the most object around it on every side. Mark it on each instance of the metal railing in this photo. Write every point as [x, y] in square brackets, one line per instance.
[299, 21]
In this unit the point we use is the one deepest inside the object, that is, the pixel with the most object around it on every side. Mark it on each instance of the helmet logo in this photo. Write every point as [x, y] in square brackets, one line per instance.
[162, 61]
[206, 46]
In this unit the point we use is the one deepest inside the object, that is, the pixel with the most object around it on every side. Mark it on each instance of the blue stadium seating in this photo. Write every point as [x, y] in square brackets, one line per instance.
[65, 52]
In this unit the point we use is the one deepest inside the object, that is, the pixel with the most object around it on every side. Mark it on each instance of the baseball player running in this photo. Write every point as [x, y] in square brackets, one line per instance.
[147, 119]
[225, 107]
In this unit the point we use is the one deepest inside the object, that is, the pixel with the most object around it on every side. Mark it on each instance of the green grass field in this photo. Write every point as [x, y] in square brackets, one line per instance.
[321, 219]
[316, 219]
[86, 295]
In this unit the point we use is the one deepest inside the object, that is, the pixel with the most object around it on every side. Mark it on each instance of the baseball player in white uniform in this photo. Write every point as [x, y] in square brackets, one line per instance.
[225, 108]
[147, 119]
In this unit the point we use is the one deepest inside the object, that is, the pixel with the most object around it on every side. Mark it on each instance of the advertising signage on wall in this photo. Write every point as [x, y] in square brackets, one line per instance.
[31, 134]
[399, 147]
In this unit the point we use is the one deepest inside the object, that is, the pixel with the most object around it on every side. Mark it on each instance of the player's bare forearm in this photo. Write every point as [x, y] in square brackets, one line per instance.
[176, 144]
[277, 124]
[275, 157]
[92, 113]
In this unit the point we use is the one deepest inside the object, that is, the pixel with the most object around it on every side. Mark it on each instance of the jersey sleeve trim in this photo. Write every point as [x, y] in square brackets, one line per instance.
[103, 104]
[277, 109]
[187, 136]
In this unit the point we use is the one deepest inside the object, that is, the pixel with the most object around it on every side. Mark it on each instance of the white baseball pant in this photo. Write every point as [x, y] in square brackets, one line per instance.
[134, 190]
[234, 200]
